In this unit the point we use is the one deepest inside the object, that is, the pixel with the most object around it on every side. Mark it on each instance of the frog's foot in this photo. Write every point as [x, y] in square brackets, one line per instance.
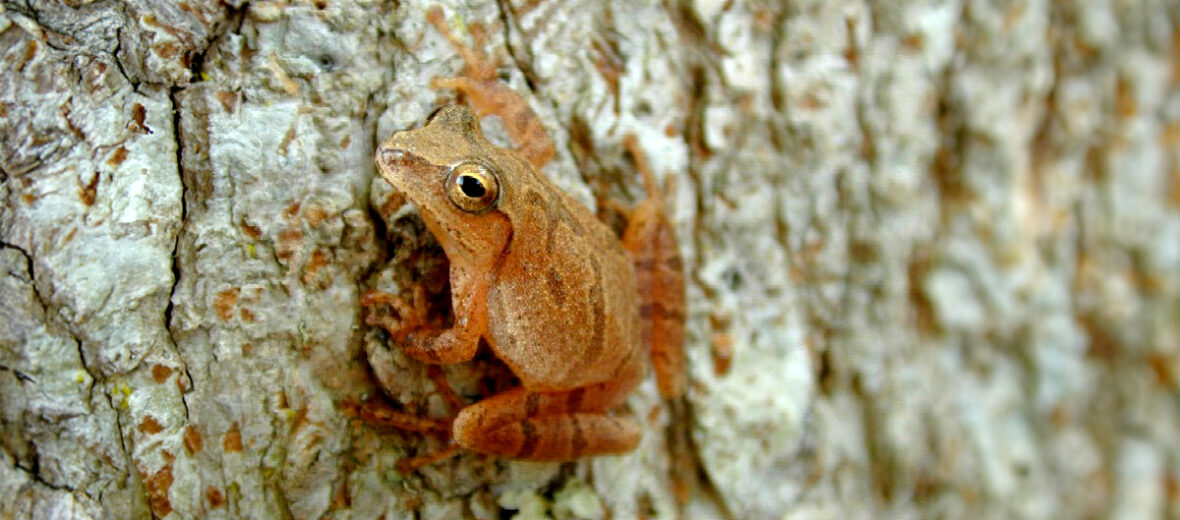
[382, 415]
[408, 465]
[411, 315]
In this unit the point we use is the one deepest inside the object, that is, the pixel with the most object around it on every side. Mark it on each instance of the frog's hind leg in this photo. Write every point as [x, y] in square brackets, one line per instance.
[549, 426]
[659, 275]
[488, 95]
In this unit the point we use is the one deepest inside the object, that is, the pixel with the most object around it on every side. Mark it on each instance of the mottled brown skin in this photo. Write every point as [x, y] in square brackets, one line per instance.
[549, 288]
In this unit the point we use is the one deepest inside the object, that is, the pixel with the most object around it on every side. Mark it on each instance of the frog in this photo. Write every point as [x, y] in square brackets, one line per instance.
[552, 291]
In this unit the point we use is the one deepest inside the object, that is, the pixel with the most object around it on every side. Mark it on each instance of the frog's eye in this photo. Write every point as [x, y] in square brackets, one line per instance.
[472, 187]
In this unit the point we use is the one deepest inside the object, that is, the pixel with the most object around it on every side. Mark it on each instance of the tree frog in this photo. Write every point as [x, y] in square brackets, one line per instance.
[551, 290]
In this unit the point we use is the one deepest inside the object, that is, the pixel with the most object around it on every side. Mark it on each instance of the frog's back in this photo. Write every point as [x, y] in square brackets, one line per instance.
[563, 310]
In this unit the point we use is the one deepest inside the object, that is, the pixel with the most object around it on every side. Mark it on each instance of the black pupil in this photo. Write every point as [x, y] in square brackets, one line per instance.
[471, 186]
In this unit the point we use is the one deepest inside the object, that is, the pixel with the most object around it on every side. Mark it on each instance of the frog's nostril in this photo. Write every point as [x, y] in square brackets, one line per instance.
[392, 155]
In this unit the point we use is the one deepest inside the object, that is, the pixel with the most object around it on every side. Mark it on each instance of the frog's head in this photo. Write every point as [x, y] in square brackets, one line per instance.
[455, 177]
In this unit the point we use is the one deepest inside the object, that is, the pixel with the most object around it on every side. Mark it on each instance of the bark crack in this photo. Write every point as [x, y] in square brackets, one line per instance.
[34, 473]
[168, 320]
[32, 273]
[506, 19]
[45, 308]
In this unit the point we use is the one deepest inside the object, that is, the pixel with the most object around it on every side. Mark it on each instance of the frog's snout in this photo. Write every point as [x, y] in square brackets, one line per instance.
[391, 156]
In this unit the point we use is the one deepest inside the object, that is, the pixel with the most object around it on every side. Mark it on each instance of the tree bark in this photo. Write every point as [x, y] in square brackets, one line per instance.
[932, 248]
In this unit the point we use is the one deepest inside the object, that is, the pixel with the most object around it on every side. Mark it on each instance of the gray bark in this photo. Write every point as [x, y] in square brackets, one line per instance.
[933, 252]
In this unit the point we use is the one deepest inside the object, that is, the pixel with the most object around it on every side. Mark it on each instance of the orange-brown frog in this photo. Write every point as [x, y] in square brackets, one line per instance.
[533, 273]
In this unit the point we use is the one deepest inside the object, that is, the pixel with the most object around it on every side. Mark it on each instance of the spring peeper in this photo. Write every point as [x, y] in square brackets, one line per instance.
[550, 289]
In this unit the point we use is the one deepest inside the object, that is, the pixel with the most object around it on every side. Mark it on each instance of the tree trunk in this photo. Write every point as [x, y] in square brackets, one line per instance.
[932, 248]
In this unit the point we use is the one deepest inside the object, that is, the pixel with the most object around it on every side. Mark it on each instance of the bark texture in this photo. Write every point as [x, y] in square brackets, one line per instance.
[933, 251]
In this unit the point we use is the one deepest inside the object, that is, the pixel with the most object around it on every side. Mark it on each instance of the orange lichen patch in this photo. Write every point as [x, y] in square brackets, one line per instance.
[160, 373]
[150, 426]
[913, 42]
[311, 270]
[292, 210]
[1059, 417]
[1124, 99]
[117, 157]
[167, 50]
[1175, 57]
[1162, 369]
[1147, 282]
[232, 442]
[1103, 345]
[192, 439]
[181, 385]
[290, 86]
[151, 21]
[251, 230]
[288, 242]
[214, 496]
[1174, 191]
[1171, 486]
[224, 302]
[30, 53]
[1171, 141]
[345, 142]
[300, 419]
[157, 486]
[923, 308]
[247, 315]
[28, 198]
[228, 100]
[946, 168]
[138, 116]
[64, 111]
[94, 76]
[88, 192]
[285, 144]
[193, 11]
[412, 503]
[1013, 15]
[722, 344]
[316, 214]
[810, 102]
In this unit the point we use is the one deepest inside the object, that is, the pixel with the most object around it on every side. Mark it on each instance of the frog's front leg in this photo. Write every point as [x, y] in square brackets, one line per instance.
[458, 343]
[551, 426]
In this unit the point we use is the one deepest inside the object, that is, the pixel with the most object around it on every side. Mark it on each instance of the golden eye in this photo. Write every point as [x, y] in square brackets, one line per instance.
[473, 187]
